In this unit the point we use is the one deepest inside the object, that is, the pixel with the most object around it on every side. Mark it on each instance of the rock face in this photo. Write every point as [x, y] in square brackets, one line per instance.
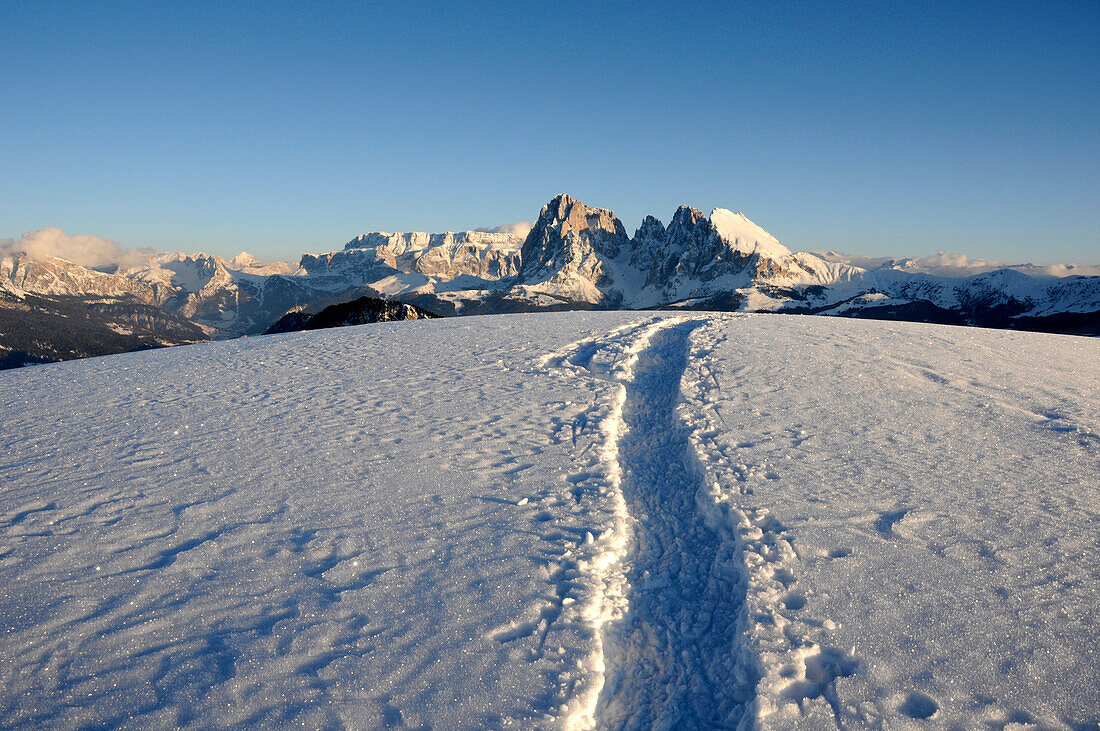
[474, 255]
[689, 252]
[362, 311]
[647, 247]
[488, 256]
[570, 252]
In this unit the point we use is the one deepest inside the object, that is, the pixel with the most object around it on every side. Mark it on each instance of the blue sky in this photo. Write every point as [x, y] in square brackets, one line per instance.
[880, 128]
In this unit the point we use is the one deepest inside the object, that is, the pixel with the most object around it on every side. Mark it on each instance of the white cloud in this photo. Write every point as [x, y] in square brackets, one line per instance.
[520, 228]
[948, 264]
[1069, 270]
[856, 260]
[943, 263]
[89, 251]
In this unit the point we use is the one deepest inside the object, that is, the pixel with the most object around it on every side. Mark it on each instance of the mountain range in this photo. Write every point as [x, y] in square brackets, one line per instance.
[574, 257]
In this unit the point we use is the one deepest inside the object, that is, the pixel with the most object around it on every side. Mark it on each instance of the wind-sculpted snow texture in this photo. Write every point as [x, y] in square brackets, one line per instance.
[608, 520]
[918, 506]
[371, 526]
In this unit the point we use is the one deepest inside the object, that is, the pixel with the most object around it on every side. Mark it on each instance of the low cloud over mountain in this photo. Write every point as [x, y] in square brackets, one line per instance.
[520, 228]
[948, 264]
[88, 251]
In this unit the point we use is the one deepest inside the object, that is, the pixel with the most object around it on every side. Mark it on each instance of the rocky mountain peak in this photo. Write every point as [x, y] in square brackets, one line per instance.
[571, 241]
[651, 229]
[558, 207]
[570, 216]
[687, 217]
[689, 244]
[648, 245]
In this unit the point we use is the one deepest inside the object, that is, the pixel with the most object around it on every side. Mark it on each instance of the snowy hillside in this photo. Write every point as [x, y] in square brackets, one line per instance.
[603, 520]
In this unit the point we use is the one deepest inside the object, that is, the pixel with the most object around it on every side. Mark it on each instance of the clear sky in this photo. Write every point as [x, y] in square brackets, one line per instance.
[885, 128]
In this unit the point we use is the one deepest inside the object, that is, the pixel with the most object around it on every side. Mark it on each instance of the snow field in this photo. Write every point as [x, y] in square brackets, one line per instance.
[610, 520]
[918, 509]
[352, 528]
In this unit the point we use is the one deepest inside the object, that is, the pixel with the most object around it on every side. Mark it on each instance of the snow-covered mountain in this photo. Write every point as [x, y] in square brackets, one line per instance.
[55, 310]
[55, 277]
[574, 254]
[581, 257]
[700, 256]
[416, 262]
[228, 297]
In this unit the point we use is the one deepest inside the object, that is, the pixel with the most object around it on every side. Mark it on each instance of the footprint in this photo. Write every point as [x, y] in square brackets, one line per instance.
[918, 706]
[794, 601]
[885, 524]
[514, 631]
[784, 577]
[840, 553]
[822, 671]
[829, 664]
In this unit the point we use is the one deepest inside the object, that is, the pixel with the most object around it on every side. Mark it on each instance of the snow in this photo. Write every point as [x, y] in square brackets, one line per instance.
[571, 519]
[244, 260]
[403, 283]
[918, 506]
[415, 243]
[416, 263]
[745, 236]
[562, 288]
[178, 271]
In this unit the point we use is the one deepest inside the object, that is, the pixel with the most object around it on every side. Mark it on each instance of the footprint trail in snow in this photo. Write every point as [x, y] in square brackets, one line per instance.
[675, 661]
[671, 613]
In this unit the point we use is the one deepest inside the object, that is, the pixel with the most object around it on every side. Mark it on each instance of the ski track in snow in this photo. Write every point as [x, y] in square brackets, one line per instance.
[670, 605]
[607, 359]
[806, 664]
